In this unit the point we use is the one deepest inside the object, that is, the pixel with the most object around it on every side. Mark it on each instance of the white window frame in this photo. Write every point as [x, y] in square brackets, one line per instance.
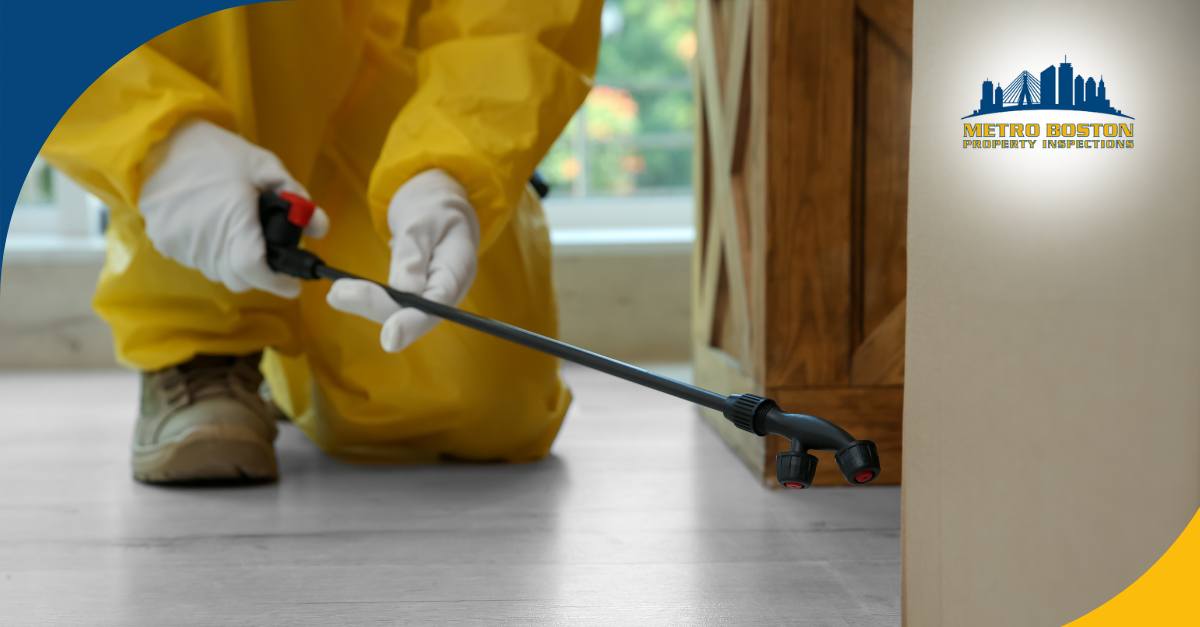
[65, 230]
[68, 230]
[621, 225]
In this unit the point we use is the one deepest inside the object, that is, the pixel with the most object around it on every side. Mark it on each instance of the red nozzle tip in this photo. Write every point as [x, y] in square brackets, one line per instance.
[302, 209]
[864, 476]
[794, 485]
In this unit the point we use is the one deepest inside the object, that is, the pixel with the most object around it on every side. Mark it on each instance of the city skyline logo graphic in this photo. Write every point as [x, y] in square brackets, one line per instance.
[1054, 89]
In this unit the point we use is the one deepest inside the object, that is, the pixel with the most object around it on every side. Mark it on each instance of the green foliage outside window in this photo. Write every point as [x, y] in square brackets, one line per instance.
[633, 135]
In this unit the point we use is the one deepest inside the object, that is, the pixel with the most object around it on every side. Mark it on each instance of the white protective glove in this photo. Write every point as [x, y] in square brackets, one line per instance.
[435, 239]
[200, 204]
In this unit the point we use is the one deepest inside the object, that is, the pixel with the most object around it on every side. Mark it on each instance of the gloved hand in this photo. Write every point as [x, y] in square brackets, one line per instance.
[435, 240]
[200, 205]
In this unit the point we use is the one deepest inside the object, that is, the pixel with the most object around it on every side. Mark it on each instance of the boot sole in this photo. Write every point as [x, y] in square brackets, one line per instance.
[224, 453]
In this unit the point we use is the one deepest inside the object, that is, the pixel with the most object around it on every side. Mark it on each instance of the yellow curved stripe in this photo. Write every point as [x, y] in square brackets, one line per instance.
[1167, 594]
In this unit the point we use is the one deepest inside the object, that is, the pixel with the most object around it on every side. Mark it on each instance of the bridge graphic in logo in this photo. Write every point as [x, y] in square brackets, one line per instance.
[1029, 93]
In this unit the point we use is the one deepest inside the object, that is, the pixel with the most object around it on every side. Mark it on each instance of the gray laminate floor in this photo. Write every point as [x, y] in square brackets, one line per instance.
[641, 517]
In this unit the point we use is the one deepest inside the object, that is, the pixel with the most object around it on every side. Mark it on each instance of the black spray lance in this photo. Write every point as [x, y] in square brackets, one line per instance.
[285, 215]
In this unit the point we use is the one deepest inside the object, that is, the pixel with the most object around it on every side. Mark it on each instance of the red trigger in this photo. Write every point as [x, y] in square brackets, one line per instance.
[302, 209]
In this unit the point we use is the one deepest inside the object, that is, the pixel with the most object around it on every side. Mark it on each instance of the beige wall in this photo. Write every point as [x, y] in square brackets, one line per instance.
[46, 317]
[1052, 402]
[628, 307]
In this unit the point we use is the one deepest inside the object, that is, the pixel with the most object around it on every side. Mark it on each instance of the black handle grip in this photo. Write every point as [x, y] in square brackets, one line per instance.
[282, 236]
[278, 231]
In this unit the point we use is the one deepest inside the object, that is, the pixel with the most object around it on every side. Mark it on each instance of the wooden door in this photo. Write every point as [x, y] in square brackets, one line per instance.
[802, 185]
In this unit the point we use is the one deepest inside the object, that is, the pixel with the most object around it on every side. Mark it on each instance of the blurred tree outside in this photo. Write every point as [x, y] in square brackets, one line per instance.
[633, 135]
[38, 187]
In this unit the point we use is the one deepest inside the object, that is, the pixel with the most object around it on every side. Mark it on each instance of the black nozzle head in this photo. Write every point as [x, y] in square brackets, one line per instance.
[858, 461]
[795, 469]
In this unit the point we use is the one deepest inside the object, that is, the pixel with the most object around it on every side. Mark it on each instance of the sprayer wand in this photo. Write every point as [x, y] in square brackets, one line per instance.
[284, 216]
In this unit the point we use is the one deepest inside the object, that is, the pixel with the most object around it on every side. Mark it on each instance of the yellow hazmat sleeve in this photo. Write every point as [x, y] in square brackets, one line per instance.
[497, 82]
[101, 140]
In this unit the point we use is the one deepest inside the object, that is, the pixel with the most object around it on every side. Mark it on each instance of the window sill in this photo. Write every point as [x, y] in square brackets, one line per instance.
[620, 226]
[619, 212]
[579, 227]
[30, 248]
[624, 242]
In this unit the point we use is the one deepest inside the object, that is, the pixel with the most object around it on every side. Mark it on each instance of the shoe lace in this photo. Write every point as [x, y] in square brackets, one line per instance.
[198, 382]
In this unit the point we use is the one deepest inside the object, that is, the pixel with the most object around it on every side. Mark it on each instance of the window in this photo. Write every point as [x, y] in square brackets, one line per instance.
[633, 135]
[38, 188]
[620, 173]
[54, 220]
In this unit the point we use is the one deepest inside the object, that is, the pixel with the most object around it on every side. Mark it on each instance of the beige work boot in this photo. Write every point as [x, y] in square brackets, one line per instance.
[204, 421]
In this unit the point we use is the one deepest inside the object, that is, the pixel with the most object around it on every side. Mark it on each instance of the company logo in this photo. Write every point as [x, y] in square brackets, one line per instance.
[1055, 89]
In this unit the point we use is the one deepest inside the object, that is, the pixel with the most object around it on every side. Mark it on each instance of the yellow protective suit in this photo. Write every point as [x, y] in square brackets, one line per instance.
[354, 97]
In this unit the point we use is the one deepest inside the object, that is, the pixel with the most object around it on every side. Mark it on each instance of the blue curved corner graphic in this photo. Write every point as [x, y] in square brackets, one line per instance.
[1028, 92]
[50, 52]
